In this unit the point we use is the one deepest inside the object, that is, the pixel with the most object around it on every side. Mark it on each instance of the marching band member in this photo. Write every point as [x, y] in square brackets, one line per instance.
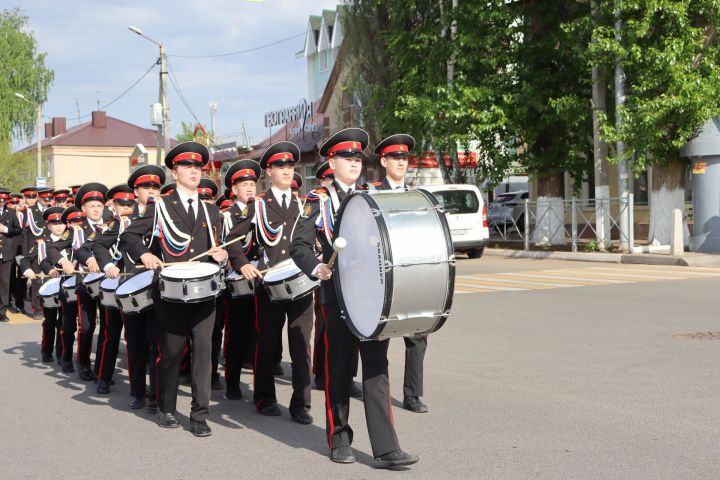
[141, 336]
[184, 227]
[18, 283]
[97, 252]
[344, 151]
[32, 230]
[273, 220]
[90, 199]
[394, 152]
[240, 335]
[52, 324]
[9, 228]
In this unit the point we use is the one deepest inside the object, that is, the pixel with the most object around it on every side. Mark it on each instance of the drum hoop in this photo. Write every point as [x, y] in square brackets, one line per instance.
[451, 253]
[95, 280]
[66, 279]
[286, 279]
[135, 292]
[385, 238]
[191, 279]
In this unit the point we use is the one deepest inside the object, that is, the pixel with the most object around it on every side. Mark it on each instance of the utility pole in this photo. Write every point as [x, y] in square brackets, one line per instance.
[38, 107]
[163, 101]
[213, 111]
[623, 176]
[600, 150]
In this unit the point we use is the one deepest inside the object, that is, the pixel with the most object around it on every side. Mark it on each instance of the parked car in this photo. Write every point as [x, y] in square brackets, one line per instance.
[466, 215]
[508, 209]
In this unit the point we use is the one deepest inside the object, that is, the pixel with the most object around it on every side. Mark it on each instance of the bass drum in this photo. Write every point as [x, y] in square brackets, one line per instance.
[396, 276]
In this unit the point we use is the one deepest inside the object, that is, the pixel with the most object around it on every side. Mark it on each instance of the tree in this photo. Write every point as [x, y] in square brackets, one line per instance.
[17, 170]
[671, 57]
[186, 132]
[22, 70]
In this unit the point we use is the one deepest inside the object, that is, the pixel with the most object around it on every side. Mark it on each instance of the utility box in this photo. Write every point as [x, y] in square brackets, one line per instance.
[704, 154]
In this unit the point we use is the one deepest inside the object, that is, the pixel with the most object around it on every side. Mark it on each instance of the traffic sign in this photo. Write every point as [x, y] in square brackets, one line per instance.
[40, 182]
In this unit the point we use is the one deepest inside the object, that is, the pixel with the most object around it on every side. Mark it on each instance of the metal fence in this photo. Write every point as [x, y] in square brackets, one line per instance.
[562, 222]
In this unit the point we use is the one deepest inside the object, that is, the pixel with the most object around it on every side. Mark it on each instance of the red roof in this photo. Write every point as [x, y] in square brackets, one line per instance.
[306, 141]
[116, 133]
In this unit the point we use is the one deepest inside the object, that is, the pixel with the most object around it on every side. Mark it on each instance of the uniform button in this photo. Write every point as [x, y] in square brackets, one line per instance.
[192, 250]
[283, 252]
[284, 223]
[284, 237]
[192, 238]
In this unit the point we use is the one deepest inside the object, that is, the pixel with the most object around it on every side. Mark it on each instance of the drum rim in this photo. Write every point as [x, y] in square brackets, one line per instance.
[100, 278]
[193, 279]
[286, 279]
[385, 238]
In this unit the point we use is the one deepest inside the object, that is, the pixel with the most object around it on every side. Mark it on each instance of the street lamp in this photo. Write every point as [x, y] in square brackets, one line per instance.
[38, 108]
[163, 140]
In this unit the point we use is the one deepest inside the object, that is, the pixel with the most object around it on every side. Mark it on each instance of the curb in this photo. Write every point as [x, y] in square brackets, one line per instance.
[697, 260]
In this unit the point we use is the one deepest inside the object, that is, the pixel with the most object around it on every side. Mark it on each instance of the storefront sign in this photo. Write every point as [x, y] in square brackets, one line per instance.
[301, 112]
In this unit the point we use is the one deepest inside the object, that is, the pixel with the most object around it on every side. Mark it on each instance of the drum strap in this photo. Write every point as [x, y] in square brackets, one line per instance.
[34, 228]
[176, 242]
[42, 250]
[270, 236]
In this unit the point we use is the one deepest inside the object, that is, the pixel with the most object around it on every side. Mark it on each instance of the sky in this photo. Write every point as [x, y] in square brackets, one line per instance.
[95, 57]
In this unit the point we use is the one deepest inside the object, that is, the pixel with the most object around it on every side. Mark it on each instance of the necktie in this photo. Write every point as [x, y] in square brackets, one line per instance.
[349, 191]
[99, 227]
[191, 210]
[284, 202]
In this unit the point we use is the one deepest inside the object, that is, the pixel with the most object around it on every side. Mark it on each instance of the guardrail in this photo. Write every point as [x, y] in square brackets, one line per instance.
[560, 222]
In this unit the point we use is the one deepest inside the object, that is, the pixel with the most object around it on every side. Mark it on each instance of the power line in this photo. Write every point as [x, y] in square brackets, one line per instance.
[104, 107]
[175, 85]
[240, 52]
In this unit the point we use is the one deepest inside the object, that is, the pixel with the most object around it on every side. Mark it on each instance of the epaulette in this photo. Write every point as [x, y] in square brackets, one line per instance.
[318, 193]
[111, 224]
[66, 235]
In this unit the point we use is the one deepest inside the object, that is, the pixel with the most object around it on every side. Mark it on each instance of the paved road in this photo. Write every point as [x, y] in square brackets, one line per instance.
[566, 370]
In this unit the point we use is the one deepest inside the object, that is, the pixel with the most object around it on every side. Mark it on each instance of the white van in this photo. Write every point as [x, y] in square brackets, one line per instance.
[466, 214]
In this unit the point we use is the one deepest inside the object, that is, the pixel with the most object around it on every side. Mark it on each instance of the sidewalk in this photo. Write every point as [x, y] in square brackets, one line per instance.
[687, 259]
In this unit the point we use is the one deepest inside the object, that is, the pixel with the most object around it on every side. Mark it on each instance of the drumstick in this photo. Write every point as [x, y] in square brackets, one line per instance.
[196, 257]
[261, 271]
[338, 245]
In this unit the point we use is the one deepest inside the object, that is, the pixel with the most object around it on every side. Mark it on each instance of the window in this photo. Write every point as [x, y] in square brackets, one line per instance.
[640, 188]
[458, 201]
[323, 60]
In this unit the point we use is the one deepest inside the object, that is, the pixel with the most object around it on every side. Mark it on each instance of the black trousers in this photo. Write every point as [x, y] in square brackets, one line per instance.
[221, 312]
[69, 327]
[415, 346]
[341, 347]
[51, 332]
[87, 321]
[141, 340]
[240, 338]
[5, 267]
[176, 322]
[108, 343]
[269, 323]
[319, 339]
[18, 286]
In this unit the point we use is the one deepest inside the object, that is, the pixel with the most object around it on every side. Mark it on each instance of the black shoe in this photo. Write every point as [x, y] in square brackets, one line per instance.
[28, 314]
[103, 388]
[233, 394]
[319, 383]
[137, 403]
[355, 391]
[302, 417]
[414, 404]
[278, 370]
[167, 420]
[4, 318]
[14, 310]
[87, 375]
[270, 410]
[152, 404]
[217, 383]
[398, 458]
[247, 366]
[67, 367]
[200, 429]
[342, 455]
[47, 358]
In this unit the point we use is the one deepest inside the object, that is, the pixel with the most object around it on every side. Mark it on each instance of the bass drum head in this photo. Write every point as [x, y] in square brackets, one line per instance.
[360, 279]
[51, 287]
[135, 283]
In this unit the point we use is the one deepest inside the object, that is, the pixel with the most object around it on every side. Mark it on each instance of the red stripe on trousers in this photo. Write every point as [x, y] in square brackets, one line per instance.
[328, 406]
[79, 327]
[257, 349]
[104, 346]
[226, 340]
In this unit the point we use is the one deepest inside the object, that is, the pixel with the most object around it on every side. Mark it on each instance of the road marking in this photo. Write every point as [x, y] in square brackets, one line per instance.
[498, 277]
[576, 281]
[20, 319]
[681, 271]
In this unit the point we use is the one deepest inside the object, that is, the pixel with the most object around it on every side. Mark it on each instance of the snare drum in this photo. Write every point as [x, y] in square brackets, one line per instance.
[135, 294]
[48, 293]
[191, 282]
[397, 274]
[286, 282]
[92, 283]
[68, 288]
[107, 292]
[239, 286]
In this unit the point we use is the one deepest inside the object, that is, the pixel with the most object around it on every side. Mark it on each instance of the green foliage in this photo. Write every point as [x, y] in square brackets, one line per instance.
[17, 170]
[670, 54]
[186, 132]
[22, 70]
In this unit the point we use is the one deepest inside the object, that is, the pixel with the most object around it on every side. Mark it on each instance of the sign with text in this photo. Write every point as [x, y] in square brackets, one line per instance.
[301, 113]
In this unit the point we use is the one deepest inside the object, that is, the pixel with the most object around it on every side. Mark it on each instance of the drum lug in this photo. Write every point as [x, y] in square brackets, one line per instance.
[288, 289]
[376, 212]
[213, 284]
[184, 288]
[134, 302]
[388, 265]
[162, 286]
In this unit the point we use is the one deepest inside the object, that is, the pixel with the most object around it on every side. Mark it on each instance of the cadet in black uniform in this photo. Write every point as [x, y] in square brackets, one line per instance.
[52, 325]
[91, 199]
[199, 223]
[273, 218]
[344, 151]
[18, 282]
[240, 334]
[32, 230]
[394, 152]
[9, 229]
